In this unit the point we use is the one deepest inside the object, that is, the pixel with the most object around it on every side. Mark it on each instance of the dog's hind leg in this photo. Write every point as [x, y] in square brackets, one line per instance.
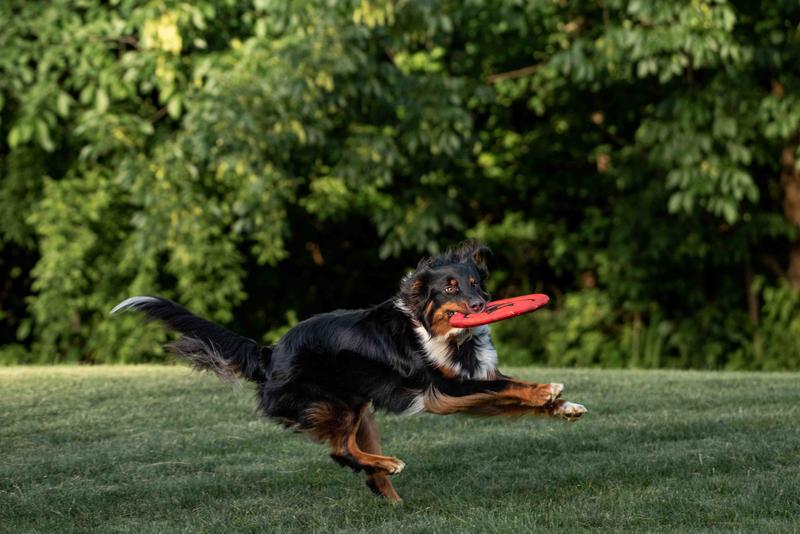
[338, 425]
[368, 440]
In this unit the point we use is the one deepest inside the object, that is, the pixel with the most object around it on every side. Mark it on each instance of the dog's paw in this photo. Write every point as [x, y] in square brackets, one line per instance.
[369, 462]
[544, 394]
[570, 411]
[393, 466]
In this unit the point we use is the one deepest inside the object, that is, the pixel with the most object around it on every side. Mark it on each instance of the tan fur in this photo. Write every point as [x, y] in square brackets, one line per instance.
[440, 323]
[329, 424]
[368, 440]
[340, 428]
[439, 403]
[448, 372]
[530, 394]
[521, 398]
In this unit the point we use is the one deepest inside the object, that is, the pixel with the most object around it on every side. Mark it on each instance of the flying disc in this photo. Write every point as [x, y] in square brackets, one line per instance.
[498, 310]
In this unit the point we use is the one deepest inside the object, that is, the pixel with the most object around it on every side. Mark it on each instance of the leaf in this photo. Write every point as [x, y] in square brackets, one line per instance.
[43, 136]
[14, 137]
[101, 100]
[174, 106]
[63, 103]
[729, 212]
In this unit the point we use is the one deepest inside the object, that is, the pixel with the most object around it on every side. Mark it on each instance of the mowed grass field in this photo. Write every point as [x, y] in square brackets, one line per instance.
[162, 449]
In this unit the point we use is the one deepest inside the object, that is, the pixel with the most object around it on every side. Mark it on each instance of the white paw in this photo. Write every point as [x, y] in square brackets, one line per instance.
[572, 410]
[398, 467]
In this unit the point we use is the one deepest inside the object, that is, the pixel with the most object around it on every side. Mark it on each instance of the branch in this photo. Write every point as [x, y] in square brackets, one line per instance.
[158, 115]
[129, 40]
[512, 74]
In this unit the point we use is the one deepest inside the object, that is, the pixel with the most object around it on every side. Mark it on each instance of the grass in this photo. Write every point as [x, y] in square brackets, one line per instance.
[146, 448]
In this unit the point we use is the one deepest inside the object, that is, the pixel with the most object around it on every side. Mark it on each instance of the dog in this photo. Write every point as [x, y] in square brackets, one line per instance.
[325, 376]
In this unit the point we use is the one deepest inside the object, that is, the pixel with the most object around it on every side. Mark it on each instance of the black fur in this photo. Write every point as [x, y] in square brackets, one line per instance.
[206, 345]
[346, 357]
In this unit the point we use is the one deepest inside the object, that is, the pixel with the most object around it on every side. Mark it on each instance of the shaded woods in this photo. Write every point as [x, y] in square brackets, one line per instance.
[258, 162]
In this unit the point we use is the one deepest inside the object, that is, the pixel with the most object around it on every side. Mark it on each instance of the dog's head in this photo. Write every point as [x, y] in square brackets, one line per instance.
[445, 284]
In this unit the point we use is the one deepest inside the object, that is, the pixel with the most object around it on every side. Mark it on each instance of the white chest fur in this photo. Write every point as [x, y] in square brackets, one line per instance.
[439, 350]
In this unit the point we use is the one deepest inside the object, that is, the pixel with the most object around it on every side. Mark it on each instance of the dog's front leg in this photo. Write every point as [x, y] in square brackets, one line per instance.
[570, 411]
[489, 396]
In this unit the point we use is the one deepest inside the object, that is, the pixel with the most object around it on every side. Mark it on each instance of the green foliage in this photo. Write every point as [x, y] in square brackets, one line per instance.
[780, 330]
[252, 158]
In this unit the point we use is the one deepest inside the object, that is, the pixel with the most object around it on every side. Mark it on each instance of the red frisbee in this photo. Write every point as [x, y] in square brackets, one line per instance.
[498, 310]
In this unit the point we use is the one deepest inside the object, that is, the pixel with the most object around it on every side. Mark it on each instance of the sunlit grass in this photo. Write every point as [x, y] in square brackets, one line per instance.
[149, 448]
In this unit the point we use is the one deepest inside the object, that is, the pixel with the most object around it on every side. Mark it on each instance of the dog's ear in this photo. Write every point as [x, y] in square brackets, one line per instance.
[418, 282]
[480, 256]
[476, 252]
[415, 288]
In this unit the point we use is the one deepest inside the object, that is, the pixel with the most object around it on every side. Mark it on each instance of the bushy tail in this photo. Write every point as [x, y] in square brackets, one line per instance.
[206, 345]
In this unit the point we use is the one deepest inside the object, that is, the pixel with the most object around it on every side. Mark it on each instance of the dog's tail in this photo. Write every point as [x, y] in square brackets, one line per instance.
[206, 345]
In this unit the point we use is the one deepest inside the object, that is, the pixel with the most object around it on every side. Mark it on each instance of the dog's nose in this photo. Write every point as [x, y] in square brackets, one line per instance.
[477, 305]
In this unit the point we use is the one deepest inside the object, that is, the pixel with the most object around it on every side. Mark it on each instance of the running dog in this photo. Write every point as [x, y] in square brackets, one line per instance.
[401, 356]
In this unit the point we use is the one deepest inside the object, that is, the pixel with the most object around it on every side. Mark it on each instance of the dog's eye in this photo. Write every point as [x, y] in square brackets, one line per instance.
[450, 290]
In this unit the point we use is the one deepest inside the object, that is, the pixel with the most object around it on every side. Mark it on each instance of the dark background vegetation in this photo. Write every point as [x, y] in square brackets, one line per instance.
[263, 161]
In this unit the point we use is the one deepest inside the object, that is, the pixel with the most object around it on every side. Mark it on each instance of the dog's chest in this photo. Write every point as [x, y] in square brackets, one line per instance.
[466, 353]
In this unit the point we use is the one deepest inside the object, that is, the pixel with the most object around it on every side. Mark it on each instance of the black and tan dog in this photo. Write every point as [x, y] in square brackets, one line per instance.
[401, 356]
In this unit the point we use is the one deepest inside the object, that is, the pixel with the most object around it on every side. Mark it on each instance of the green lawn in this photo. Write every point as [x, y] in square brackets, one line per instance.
[151, 448]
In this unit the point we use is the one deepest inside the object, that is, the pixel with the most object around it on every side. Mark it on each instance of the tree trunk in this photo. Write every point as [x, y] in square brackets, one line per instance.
[790, 182]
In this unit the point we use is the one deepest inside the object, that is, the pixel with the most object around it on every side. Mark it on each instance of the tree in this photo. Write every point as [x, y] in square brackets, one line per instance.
[253, 160]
